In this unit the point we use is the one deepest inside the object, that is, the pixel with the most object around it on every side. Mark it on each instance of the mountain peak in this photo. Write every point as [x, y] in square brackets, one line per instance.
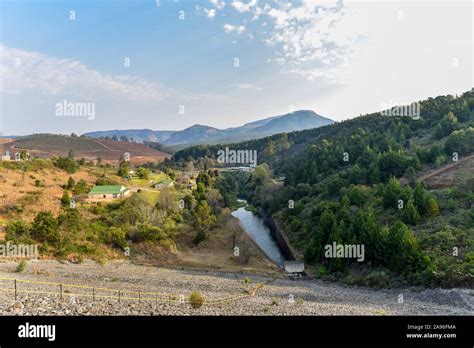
[202, 134]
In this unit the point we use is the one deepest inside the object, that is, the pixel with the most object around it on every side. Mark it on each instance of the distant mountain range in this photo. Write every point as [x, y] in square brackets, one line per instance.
[200, 134]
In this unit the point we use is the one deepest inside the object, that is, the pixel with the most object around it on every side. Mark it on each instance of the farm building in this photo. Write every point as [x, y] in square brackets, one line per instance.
[164, 183]
[108, 192]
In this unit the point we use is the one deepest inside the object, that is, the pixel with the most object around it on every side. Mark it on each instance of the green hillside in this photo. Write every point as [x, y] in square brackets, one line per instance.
[360, 182]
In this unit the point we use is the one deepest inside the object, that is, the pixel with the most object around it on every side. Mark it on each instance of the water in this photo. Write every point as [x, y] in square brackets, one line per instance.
[256, 229]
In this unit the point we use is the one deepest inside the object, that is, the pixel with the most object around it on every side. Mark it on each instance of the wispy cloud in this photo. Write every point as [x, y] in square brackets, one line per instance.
[243, 7]
[247, 86]
[218, 4]
[210, 13]
[238, 29]
[53, 76]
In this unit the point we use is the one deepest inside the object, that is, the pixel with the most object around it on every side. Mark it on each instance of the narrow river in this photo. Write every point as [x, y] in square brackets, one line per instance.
[261, 235]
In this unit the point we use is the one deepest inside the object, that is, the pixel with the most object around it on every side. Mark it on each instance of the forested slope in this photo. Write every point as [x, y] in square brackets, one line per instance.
[360, 182]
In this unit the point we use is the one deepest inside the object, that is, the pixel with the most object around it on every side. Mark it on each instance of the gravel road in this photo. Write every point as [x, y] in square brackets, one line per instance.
[276, 297]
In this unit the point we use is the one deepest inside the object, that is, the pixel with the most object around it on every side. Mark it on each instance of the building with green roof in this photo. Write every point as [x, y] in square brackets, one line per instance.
[164, 183]
[108, 192]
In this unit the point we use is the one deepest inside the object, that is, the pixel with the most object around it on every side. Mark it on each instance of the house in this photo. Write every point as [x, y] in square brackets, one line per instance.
[294, 269]
[164, 183]
[108, 192]
[239, 169]
[6, 157]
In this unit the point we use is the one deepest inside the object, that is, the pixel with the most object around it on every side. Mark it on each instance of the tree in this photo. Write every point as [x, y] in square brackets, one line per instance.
[66, 163]
[190, 166]
[432, 208]
[143, 173]
[15, 230]
[65, 199]
[81, 187]
[70, 183]
[420, 198]
[214, 198]
[204, 178]
[411, 176]
[392, 193]
[124, 167]
[203, 220]
[409, 214]
[45, 228]
[404, 249]
[168, 200]
[446, 126]
[71, 154]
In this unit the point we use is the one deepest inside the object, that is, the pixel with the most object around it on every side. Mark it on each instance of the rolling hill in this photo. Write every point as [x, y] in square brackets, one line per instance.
[201, 134]
[49, 145]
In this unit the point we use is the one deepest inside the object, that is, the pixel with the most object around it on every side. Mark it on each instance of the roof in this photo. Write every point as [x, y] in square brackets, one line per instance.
[294, 266]
[107, 189]
[165, 182]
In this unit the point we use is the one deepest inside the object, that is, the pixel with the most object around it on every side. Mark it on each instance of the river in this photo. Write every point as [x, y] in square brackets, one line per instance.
[261, 235]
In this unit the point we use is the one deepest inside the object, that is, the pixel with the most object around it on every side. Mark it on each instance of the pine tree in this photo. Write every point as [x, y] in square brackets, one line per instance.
[432, 208]
[409, 214]
[65, 199]
[70, 183]
[420, 197]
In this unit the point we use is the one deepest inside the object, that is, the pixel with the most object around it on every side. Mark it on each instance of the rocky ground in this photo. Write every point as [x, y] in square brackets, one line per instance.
[278, 296]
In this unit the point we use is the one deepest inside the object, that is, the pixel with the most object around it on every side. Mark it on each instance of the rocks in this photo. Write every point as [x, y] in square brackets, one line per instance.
[278, 297]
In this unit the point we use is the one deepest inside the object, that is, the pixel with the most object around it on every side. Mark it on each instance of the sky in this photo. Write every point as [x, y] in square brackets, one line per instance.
[170, 64]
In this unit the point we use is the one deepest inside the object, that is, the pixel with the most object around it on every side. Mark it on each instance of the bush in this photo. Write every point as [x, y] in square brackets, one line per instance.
[146, 232]
[16, 230]
[21, 266]
[378, 279]
[45, 228]
[116, 237]
[66, 163]
[196, 299]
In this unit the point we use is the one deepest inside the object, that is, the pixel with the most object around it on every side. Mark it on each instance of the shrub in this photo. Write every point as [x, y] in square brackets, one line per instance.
[16, 230]
[21, 266]
[378, 279]
[116, 237]
[65, 199]
[66, 163]
[45, 228]
[196, 299]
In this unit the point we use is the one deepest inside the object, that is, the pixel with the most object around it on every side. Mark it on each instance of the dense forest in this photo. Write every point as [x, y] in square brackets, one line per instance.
[361, 181]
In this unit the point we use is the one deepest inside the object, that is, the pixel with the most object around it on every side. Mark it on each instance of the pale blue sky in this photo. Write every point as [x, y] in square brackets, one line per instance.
[338, 59]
